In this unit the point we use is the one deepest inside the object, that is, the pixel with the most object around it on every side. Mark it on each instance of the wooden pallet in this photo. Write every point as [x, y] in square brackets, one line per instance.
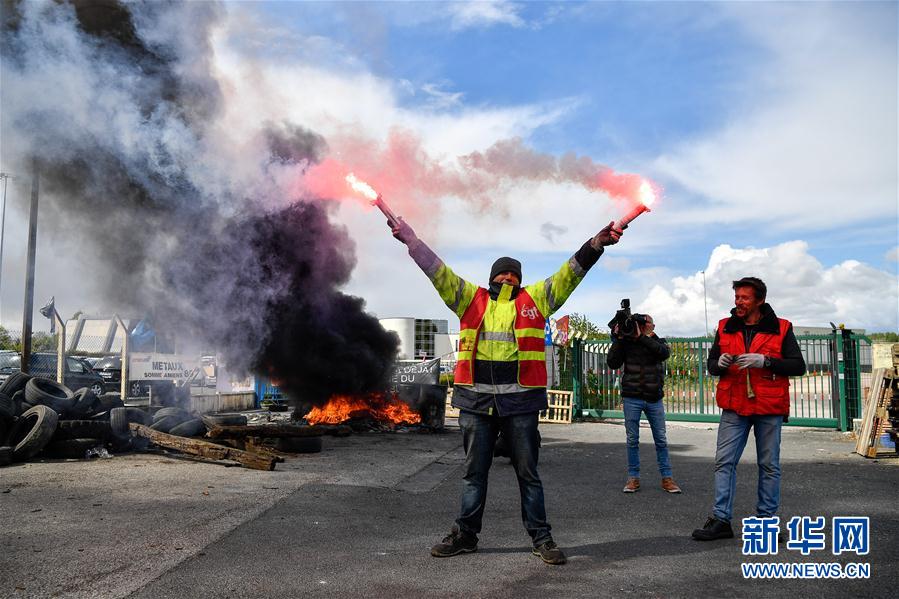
[874, 421]
[559, 410]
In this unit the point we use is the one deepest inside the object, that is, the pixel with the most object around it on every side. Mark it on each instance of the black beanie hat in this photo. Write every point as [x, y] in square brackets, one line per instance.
[505, 264]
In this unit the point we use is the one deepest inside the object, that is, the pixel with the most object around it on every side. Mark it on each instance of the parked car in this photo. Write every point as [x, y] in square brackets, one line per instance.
[110, 368]
[77, 374]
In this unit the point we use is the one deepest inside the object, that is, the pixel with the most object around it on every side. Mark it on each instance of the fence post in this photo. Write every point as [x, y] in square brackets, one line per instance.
[841, 378]
[576, 377]
[125, 350]
[60, 349]
[701, 368]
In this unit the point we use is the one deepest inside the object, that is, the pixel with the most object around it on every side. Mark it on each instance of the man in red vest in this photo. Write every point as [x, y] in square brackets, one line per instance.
[500, 377]
[754, 353]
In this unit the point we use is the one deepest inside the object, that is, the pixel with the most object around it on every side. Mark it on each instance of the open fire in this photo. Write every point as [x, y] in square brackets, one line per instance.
[385, 407]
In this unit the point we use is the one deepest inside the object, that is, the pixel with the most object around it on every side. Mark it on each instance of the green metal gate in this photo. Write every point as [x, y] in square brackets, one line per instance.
[828, 395]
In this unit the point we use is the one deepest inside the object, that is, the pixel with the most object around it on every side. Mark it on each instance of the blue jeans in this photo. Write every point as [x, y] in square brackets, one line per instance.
[479, 433]
[655, 414]
[732, 435]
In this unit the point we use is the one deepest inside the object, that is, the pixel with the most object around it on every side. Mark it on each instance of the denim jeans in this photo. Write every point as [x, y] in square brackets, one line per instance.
[479, 433]
[655, 414]
[732, 435]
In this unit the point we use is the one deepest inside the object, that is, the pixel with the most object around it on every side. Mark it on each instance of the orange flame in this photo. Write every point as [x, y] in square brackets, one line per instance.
[379, 406]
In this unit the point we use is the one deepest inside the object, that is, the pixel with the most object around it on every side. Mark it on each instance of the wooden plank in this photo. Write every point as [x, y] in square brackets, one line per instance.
[204, 448]
[875, 420]
[869, 409]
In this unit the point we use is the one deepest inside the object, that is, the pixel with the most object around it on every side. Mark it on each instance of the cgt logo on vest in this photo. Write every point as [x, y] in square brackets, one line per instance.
[529, 312]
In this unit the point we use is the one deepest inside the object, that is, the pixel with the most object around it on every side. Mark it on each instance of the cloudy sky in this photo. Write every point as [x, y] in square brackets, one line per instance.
[771, 129]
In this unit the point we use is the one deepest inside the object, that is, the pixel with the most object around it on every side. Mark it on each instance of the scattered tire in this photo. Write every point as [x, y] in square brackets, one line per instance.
[14, 383]
[299, 444]
[101, 416]
[70, 449]
[5, 428]
[19, 400]
[120, 444]
[41, 391]
[82, 429]
[190, 428]
[140, 443]
[165, 425]
[139, 416]
[164, 412]
[5, 456]
[7, 407]
[225, 419]
[108, 401]
[33, 431]
[118, 422]
[85, 403]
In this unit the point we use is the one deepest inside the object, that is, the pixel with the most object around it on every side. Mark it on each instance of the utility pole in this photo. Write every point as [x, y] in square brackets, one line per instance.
[5, 177]
[705, 305]
[29, 275]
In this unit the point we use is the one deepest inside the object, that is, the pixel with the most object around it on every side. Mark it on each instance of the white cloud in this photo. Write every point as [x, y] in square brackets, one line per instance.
[442, 99]
[484, 13]
[813, 140]
[800, 289]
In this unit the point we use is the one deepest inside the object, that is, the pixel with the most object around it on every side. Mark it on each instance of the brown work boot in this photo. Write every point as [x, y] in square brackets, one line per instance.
[550, 553]
[669, 485]
[454, 543]
[632, 486]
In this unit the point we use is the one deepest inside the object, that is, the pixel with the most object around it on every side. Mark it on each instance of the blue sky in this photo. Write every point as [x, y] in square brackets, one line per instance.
[772, 128]
[767, 124]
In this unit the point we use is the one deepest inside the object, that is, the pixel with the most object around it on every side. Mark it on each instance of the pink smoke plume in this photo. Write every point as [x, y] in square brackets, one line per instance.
[403, 172]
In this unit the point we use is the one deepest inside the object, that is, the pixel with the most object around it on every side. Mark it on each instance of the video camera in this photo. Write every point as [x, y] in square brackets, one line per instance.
[625, 321]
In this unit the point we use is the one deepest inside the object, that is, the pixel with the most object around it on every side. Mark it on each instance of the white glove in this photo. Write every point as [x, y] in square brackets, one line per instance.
[750, 361]
[725, 360]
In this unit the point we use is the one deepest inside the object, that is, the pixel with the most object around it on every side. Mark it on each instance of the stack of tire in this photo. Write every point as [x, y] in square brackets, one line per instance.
[176, 421]
[41, 416]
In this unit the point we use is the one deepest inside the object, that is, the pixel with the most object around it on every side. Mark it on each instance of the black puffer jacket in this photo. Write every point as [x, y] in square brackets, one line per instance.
[643, 376]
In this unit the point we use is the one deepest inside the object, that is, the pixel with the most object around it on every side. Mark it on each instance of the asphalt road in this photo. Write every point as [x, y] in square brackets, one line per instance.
[358, 519]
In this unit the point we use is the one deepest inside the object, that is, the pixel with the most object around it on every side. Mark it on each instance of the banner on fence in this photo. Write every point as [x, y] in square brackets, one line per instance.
[160, 367]
[417, 373]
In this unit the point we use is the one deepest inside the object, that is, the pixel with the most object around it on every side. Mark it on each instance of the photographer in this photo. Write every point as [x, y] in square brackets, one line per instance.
[642, 353]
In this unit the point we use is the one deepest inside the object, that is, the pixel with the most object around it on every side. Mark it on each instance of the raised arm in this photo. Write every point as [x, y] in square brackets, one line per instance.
[455, 291]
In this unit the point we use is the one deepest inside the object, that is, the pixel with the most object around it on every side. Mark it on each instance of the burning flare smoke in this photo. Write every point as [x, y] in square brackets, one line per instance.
[215, 229]
[116, 105]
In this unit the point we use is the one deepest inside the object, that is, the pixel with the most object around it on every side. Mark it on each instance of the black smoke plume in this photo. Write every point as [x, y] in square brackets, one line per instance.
[116, 104]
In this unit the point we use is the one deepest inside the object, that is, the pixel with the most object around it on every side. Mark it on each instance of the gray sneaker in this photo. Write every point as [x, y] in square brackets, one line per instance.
[550, 553]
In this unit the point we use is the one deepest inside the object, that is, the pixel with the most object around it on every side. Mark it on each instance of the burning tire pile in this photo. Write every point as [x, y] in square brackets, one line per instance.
[40, 417]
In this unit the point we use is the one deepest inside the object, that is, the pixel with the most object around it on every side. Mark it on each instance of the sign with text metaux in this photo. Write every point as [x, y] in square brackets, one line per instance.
[160, 367]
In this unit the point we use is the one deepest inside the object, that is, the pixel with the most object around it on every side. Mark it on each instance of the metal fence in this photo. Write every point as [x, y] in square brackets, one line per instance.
[828, 395]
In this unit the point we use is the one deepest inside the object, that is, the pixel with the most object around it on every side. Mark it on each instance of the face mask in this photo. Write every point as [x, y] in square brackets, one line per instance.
[496, 289]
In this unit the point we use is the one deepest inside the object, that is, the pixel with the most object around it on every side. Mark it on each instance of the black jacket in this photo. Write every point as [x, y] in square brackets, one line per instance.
[791, 362]
[643, 376]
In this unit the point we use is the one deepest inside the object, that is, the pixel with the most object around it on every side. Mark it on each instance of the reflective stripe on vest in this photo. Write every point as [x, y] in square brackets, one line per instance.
[528, 333]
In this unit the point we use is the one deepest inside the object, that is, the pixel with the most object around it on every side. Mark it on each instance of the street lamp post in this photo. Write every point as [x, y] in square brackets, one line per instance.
[705, 305]
[5, 177]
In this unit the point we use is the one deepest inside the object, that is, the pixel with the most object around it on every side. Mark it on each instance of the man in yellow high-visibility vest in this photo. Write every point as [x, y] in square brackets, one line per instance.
[500, 377]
